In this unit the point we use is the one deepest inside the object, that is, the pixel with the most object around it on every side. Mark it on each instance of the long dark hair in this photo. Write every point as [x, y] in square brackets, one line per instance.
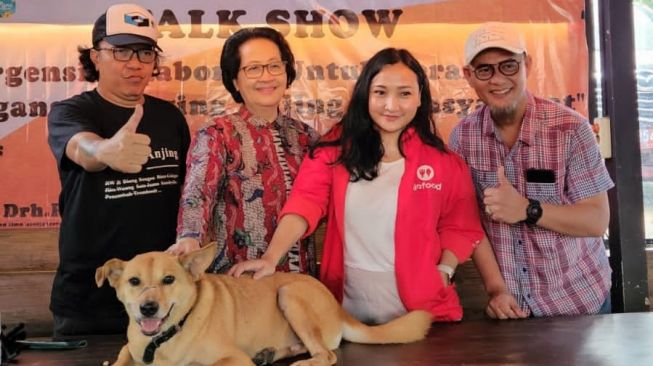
[360, 143]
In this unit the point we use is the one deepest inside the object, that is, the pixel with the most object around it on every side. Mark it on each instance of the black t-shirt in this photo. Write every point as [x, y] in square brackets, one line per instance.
[109, 214]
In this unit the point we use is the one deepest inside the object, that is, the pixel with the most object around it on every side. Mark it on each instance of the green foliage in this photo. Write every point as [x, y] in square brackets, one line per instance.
[646, 2]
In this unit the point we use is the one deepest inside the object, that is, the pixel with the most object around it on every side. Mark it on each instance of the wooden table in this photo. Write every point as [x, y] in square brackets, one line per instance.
[615, 339]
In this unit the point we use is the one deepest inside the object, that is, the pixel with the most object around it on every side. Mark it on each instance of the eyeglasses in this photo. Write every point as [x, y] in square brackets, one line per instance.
[256, 70]
[146, 56]
[486, 71]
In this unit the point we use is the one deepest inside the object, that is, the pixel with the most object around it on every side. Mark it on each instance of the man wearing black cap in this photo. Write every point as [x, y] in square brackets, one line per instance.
[121, 160]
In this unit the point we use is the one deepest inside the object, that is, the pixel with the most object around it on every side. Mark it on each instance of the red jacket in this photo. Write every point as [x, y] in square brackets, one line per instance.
[436, 210]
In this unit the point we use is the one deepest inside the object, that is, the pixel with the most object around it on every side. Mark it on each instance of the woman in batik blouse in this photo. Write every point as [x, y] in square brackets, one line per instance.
[242, 166]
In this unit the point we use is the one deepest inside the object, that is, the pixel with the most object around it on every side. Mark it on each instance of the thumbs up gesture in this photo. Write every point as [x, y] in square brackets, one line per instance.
[127, 150]
[503, 203]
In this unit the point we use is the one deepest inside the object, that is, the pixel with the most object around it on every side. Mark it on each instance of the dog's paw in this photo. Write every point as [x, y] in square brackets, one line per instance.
[264, 356]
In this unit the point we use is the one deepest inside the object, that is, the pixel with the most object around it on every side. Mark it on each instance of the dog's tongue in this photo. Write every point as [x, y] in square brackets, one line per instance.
[150, 325]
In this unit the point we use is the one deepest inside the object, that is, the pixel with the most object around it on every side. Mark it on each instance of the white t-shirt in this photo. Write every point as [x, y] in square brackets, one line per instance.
[370, 292]
[370, 214]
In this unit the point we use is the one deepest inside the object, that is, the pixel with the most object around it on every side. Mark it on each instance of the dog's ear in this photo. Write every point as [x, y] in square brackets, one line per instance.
[196, 262]
[111, 270]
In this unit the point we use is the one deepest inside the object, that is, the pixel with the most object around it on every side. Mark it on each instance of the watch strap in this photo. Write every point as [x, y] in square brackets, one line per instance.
[446, 269]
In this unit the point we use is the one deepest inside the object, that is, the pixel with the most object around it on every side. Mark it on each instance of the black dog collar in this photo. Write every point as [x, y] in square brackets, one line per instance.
[148, 355]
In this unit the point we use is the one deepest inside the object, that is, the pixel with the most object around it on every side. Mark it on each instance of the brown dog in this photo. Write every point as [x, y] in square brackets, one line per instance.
[181, 316]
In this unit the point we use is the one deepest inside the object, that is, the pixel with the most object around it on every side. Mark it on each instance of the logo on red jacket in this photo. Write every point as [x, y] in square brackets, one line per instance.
[425, 173]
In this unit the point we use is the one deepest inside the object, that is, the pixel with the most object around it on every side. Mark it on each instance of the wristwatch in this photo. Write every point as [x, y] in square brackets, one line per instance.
[448, 270]
[533, 212]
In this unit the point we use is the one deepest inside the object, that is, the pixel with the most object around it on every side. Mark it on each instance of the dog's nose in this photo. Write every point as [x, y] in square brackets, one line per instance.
[149, 308]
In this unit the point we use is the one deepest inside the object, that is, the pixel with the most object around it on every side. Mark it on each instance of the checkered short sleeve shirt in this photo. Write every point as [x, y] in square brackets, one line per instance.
[548, 273]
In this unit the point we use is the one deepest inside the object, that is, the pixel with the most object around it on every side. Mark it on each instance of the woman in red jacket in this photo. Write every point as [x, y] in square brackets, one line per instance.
[401, 208]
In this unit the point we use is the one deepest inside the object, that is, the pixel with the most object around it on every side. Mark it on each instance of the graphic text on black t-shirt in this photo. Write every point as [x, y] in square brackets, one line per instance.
[163, 154]
[138, 186]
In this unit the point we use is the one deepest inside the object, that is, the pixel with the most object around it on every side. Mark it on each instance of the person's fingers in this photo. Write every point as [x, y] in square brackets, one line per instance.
[491, 196]
[178, 250]
[231, 271]
[142, 156]
[134, 120]
[519, 313]
[506, 308]
[257, 266]
[261, 272]
[490, 312]
[243, 267]
[500, 313]
[501, 176]
[130, 168]
[236, 270]
[141, 139]
[510, 314]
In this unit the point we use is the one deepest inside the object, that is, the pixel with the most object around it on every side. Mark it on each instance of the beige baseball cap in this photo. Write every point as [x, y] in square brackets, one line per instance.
[493, 35]
[124, 24]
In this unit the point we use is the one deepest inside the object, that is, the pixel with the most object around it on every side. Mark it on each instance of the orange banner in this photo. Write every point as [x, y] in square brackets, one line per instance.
[331, 41]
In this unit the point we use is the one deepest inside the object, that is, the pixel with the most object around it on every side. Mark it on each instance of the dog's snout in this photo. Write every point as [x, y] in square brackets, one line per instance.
[149, 308]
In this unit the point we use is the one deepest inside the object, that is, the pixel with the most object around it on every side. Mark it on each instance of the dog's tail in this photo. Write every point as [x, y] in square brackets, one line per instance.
[407, 328]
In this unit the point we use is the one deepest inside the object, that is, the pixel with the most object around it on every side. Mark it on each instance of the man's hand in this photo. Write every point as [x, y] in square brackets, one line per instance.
[502, 306]
[127, 150]
[261, 268]
[503, 203]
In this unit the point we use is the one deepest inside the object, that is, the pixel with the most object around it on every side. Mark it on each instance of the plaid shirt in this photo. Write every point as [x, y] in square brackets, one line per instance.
[548, 273]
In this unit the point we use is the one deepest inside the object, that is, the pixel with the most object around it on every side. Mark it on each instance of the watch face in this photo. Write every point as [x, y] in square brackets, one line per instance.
[533, 212]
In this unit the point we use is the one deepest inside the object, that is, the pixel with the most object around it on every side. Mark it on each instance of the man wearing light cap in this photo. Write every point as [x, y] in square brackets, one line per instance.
[540, 182]
[121, 161]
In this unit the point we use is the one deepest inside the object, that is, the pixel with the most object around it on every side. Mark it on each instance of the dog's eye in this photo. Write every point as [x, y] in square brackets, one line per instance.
[167, 280]
[134, 281]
